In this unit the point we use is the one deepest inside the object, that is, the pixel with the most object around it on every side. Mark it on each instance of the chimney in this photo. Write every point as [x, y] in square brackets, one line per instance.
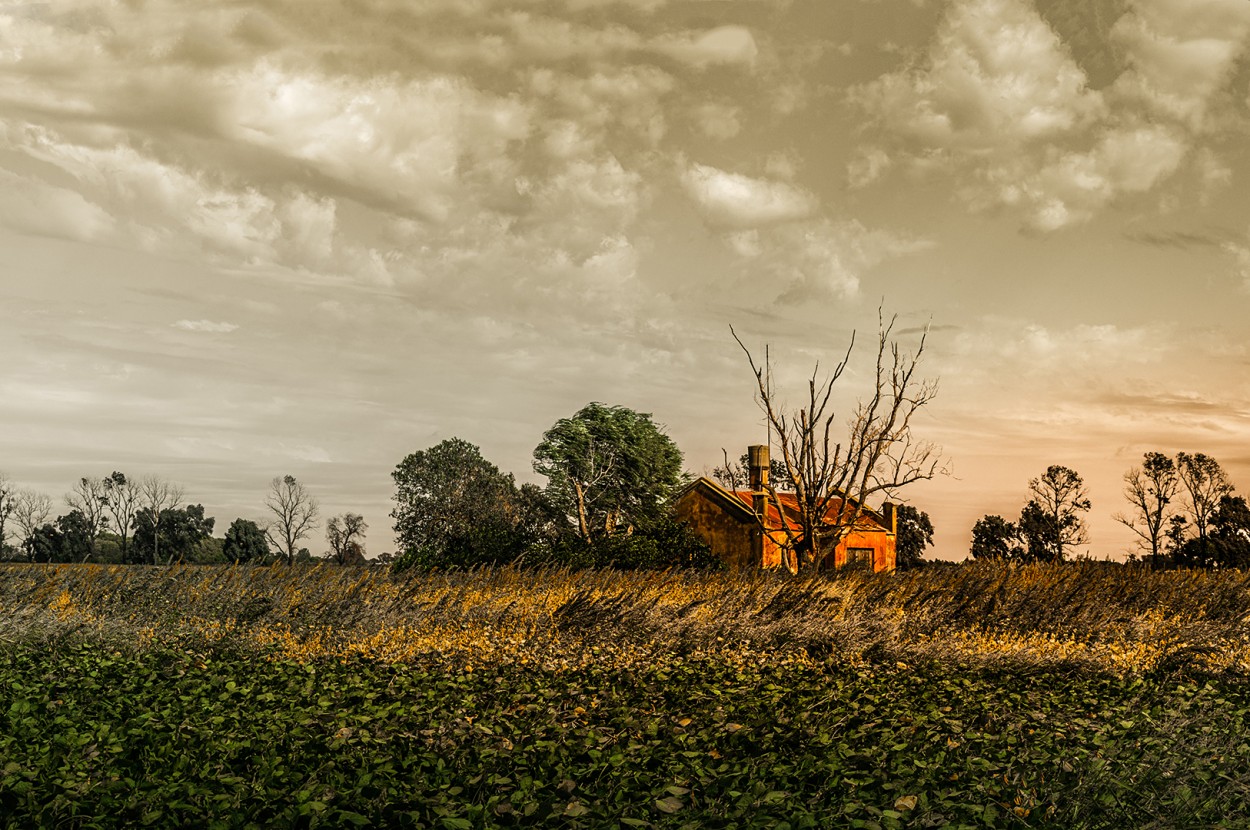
[757, 463]
[889, 512]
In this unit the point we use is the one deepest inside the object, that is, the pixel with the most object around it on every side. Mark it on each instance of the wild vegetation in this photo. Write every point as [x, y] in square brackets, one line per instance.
[1083, 695]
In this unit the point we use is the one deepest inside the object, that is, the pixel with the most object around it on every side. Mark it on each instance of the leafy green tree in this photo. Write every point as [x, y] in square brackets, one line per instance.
[175, 532]
[44, 544]
[915, 533]
[993, 537]
[453, 508]
[68, 539]
[245, 543]
[1052, 520]
[609, 469]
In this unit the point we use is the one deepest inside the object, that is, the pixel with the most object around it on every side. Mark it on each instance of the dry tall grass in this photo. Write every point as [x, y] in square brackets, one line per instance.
[1099, 616]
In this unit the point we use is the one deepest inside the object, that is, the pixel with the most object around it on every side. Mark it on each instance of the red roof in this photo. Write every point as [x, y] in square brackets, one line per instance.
[790, 503]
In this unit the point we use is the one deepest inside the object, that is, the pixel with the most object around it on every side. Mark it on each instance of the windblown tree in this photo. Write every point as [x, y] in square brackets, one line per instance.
[453, 508]
[834, 470]
[295, 514]
[1052, 519]
[1204, 483]
[1150, 490]
[345, 535]
[88, 499]
[609, 468]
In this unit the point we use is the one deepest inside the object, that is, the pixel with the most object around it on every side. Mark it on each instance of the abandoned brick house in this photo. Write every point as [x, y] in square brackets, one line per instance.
[729, 521]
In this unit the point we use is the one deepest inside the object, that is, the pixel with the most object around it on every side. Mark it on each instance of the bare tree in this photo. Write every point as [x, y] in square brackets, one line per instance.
[31, 511]
[1150, 489]
[346, 535]
[1052, 517]
[833, 479]
[156, 495]
[295, 515]
[1205, 483]
[122, 497]
[88, 498]
[8, 503]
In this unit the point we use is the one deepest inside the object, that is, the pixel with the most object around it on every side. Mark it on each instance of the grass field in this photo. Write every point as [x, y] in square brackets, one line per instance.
[1077, 696]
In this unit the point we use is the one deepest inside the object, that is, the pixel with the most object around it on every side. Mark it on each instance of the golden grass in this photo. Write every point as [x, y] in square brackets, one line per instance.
[1099, 616]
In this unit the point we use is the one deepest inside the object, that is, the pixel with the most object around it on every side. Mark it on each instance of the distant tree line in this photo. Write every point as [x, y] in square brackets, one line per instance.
[1184, 512]
[119, 519]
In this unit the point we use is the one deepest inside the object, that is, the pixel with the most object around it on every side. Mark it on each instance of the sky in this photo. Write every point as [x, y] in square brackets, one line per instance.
[254, 238]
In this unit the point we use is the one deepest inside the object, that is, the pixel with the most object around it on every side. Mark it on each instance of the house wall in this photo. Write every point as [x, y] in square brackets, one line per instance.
[884, 557]
[738, 542]
[731, 539]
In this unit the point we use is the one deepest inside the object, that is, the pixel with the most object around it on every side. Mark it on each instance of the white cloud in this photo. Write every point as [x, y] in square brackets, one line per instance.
[999, 102]
[43, 209]
[1180, 53]
[724, 45]
[731, 200]
[205, 326]
[995, 76]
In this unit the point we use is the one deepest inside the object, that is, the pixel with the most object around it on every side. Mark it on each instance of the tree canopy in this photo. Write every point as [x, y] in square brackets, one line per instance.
[608, 469]
[245, 543]
[915, 533]
[453, 508]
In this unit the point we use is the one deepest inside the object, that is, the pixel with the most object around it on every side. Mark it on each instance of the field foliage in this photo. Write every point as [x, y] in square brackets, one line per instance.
[985, 696]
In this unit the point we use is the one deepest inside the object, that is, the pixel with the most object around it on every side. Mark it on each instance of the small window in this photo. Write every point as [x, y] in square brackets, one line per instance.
[859, 558]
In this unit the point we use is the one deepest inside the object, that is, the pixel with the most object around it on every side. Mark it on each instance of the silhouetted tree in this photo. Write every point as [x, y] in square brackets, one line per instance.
[993, 537]
[915, 533]
[1150, 490]
[1230, 533]
[1204, 483]
[1055, 525]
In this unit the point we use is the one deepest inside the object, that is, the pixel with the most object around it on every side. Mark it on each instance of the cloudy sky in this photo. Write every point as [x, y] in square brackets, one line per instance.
[250, 238]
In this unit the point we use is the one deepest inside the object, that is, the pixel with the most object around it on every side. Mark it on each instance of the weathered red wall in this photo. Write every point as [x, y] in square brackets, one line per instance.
[730, 538]
[735, 538]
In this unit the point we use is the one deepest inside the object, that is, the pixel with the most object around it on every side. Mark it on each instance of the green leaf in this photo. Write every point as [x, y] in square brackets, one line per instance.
[669, 804]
